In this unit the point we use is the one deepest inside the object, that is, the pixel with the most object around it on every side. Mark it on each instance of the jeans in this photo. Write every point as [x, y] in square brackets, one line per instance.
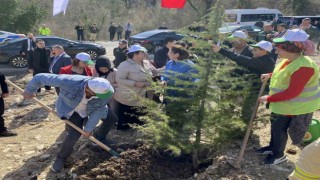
[119, 35]
[127, 35]
[2, 127]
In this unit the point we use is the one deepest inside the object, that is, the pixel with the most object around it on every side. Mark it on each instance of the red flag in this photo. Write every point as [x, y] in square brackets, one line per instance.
[173, 3]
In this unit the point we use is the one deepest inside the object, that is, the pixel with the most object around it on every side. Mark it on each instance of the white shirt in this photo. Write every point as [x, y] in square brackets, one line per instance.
[81, 109]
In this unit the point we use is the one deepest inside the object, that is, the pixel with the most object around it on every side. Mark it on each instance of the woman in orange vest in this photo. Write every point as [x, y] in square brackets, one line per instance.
[294, 94]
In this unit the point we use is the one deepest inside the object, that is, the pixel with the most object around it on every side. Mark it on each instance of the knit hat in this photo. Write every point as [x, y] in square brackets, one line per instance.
[84, 57]
[101, 87]
[103, 61]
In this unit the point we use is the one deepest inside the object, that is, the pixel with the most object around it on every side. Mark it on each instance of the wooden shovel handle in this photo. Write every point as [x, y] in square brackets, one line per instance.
[114, 153]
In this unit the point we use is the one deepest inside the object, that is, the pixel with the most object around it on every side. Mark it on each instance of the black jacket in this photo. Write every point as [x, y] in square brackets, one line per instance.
[161, 57]
[261, 65]
[4, 86]
[24, 46]
[120, 54]
[39, 60]
[62, 61]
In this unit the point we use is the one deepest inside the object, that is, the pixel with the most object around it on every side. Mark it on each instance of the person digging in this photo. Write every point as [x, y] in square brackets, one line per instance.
[82, 100]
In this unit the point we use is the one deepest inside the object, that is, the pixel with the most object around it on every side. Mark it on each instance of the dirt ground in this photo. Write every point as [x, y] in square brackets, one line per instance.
[30, 154]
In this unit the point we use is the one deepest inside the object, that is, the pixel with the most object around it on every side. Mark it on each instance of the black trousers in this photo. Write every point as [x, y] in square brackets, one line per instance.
[80, 36]
[127, 115]
[112, 34]
[2, 127]
[279, 130]
[127, 35]
[119, 35]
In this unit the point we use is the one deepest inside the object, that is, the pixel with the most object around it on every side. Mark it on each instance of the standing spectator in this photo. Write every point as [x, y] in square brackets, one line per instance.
[112, 31]
[274, 24]
[44, 31]
[58, 60]
[293, 95]
[4, 132]
[120, 53]
[238, 40]
[119, 31]
[28, 46]
[259, 23]
[80, 65]
[93, 32]
[281, 30]
[80, 31]
[39, 60]
[291, 23]
[132, 77]
[309, 29]
[163, 26]
[161, 55]
[267, 34]
[317, 25]
[128, 29]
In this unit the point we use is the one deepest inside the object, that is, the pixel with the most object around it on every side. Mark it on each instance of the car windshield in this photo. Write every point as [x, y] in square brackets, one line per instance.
[227, 29]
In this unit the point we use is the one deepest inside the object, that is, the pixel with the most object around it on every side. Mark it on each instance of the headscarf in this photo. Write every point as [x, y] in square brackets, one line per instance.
[103, 61]
[307, 47]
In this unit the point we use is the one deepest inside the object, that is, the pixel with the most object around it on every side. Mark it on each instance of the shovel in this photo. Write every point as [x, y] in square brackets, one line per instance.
[109, 150]
[249, 128]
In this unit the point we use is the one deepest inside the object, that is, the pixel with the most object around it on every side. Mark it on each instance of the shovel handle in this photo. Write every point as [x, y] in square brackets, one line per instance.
[253, 116]
[114, 153]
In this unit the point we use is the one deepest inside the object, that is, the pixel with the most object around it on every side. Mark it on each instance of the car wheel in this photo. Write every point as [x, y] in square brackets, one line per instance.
[92, 53]
[18, 61]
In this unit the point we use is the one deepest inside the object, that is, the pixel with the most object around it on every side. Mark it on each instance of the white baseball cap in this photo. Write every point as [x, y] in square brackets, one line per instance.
[266, 45]
[297, 35]
[239, 34]
[136, 47]
[84, 57]
[101, 87]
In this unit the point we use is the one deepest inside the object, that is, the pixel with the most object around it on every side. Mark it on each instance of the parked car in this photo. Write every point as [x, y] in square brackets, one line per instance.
[154, 39]
[298, 19]
[6, 36]
[10, 51]
[252, 30]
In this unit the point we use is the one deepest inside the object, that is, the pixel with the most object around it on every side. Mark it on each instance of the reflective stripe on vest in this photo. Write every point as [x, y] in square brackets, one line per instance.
[305, 99]
[304, 175]
[305, 90]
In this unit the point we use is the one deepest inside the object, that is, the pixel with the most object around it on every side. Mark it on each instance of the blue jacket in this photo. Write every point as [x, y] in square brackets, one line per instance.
[71, 93]
[182, 70]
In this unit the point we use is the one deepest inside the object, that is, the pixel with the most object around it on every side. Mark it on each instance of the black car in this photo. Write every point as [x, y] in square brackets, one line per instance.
[252, 30]
[10, 51]
[154, 39]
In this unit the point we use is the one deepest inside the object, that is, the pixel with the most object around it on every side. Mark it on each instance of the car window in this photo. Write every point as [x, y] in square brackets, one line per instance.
[53, 41]
[15, 45]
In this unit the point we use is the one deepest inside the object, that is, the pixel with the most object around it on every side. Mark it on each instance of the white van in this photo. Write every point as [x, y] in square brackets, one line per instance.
[250, 16]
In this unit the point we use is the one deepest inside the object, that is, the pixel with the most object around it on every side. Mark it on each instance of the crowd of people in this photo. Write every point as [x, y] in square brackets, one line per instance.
[89, 92]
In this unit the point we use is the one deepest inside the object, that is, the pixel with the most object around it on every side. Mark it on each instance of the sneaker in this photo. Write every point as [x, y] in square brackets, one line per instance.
[58, 165]
[264, 150]
[273, 160]
[7, 133]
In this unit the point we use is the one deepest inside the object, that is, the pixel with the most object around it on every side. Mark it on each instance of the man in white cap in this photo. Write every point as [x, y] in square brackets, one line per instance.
[261, 63]
[82, 100]
[239, 41]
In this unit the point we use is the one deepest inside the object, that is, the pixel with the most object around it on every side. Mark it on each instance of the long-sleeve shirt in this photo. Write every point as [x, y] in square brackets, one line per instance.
[296, 85]
[182, 70]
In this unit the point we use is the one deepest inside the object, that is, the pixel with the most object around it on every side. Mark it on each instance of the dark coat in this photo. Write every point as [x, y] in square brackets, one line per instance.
[258, 66]
[24, 46]
[161, 57]
[3, 84]
[62, 61]
[39, 62]
[120, 54]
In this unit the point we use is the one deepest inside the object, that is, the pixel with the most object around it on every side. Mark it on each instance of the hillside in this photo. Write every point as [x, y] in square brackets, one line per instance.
[148, 14]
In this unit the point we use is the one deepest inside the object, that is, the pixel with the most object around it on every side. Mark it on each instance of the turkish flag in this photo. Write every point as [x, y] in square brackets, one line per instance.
[173, 3]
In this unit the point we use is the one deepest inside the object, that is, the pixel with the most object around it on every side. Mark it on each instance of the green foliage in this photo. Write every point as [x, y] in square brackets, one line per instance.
[16, 16]
[298, 6]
